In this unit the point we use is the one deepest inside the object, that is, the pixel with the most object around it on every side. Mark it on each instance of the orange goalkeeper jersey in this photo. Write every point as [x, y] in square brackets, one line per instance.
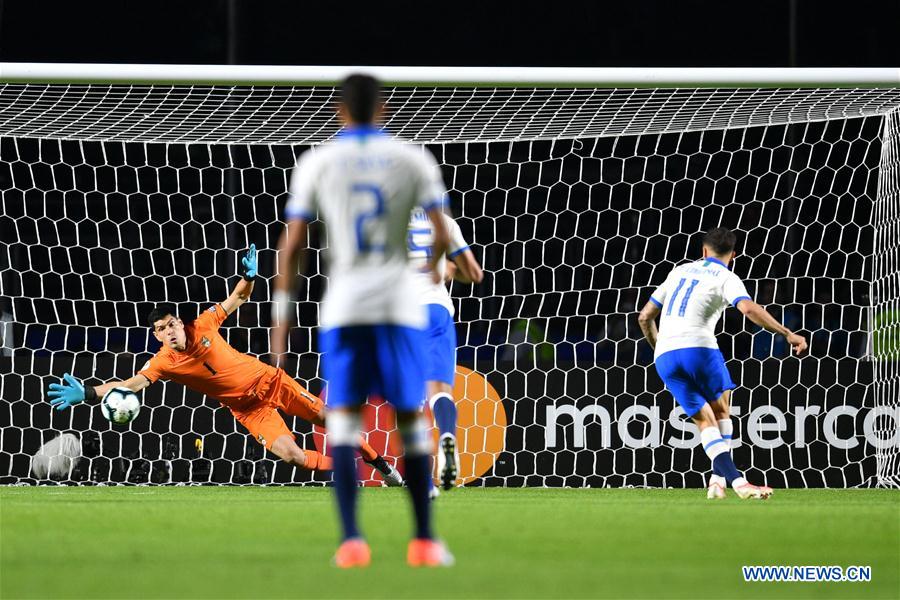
[210, 366]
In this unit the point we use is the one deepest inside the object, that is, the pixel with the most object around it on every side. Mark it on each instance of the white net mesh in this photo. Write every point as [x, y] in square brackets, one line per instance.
[304, 115]
[577, 202]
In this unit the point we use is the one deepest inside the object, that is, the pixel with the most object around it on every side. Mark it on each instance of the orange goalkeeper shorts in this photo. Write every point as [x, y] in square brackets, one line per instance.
[281, 392]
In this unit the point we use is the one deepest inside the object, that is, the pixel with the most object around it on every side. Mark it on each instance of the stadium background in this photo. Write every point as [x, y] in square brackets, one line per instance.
[232, 34]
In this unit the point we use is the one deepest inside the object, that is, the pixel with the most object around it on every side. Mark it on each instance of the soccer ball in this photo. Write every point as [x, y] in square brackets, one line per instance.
[120, 405]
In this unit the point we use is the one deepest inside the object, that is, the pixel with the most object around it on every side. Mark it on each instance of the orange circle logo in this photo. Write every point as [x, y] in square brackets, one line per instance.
[480, 428]
[480, 425]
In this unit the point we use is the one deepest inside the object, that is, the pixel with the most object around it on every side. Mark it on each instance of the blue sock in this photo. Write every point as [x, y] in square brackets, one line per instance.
[418, 479]
[444, 411]
[723, 465]
[345, 485]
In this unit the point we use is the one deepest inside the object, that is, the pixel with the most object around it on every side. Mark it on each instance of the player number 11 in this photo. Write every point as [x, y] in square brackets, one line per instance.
[684, 301]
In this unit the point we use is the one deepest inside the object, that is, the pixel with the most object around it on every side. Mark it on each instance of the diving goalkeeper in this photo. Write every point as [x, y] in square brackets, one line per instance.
[196, 356]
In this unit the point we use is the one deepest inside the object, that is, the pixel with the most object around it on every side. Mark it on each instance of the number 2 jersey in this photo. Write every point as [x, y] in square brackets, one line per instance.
[364, 186]
[691, 301]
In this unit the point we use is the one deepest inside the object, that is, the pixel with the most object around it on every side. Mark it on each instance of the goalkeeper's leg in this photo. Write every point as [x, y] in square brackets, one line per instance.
[297, 401]
[269, 429]
[285, 448]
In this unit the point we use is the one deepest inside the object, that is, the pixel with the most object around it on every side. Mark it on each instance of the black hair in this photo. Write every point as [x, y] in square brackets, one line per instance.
[720, 240]
[361, 95]
[160, 311]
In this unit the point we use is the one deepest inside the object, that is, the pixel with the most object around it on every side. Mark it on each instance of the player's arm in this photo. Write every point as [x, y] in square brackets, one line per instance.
[291, 260]
[441, 238]
[71, 391]
[299, 211]
[244, 288]
[466, 268]
[761, 317]
[449, 271]
[462, 264]
[647, 322]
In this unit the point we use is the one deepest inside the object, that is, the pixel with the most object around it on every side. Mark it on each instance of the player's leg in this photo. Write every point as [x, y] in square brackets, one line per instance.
[268, 428]
[343, 435]
[686, 373]
[286, 448]
[440, 371]
[443, 408]
[348, 358]
[402, 378]
[415, 431]
[297, 401]
[721, 408]
[713, 379]
[719, 453]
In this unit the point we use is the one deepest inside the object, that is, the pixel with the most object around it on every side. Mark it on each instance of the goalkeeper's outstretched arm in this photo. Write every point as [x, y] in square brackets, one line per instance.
[71, 391]
[244, 288]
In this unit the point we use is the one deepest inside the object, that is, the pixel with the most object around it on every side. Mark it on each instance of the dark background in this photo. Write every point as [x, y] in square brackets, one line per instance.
[802, 33]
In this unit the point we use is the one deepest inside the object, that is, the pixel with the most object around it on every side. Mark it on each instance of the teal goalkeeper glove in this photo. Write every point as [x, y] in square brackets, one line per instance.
[70, 393]
[248, 264]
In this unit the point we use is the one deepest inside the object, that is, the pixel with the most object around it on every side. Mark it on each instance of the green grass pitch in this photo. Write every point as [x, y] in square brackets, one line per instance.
[203, 542]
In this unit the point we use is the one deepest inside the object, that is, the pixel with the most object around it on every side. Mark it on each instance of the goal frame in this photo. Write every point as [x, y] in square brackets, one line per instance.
[598, 77]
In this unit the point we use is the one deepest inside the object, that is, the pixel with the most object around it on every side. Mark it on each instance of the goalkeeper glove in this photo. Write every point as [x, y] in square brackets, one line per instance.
[71, 392]
[248, 264]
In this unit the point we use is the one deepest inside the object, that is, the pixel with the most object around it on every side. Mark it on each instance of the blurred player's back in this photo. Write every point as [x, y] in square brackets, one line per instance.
[368, 183]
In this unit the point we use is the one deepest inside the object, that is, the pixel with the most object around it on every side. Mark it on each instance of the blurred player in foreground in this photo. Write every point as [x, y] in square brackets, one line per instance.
[440, 335]
[197, 356]
[688, 359]
[364, 186]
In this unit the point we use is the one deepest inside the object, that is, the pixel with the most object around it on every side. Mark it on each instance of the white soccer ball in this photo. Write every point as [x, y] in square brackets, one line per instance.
[120, 405]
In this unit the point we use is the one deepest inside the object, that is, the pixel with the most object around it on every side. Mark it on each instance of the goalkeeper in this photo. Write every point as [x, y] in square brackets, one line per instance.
[197, 356]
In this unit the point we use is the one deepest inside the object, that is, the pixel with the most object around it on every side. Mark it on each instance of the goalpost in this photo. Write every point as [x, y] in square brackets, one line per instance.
[128, 185]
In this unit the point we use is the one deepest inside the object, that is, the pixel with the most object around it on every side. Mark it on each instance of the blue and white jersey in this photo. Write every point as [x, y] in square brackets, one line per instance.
[421, 241]
[692, 299]
[364, 186]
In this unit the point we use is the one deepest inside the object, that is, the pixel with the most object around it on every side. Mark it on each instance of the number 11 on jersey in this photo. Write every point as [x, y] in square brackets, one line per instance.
[687, 296]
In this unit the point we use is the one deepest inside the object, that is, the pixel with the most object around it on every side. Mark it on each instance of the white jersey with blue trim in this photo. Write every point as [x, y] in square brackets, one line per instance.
[364, 186]
[691, 301]
[421, 241]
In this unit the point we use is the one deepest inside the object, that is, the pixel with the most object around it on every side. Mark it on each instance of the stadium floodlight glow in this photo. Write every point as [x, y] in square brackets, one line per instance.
[126, 185]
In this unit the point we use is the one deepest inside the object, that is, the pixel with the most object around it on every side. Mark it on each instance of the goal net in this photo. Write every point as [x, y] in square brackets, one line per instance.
[577, 200]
